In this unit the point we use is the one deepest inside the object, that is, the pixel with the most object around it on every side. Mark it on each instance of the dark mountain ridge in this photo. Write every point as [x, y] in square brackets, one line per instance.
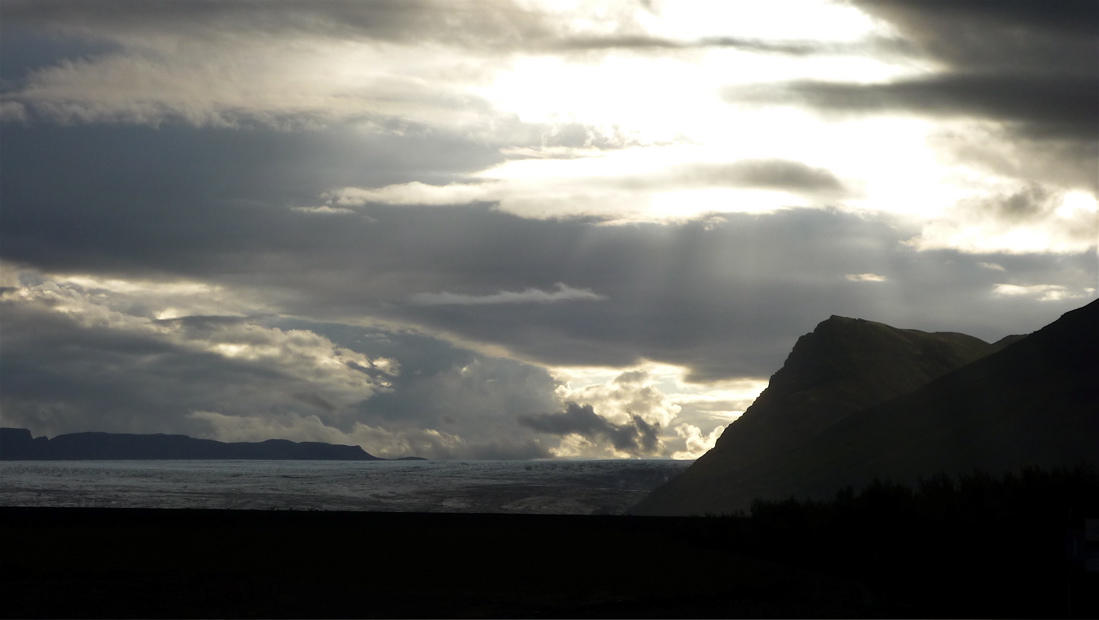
[17, 444]
[1034, 403]
[858, 400]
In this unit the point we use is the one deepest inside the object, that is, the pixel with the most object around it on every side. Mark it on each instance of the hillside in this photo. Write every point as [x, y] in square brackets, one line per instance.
[858, 400]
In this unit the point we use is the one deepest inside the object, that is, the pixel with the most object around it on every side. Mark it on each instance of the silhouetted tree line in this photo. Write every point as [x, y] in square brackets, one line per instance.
[1032, 496]
[975, 544]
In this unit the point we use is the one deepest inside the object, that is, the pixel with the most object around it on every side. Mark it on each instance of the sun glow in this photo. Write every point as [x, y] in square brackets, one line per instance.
[618, 121]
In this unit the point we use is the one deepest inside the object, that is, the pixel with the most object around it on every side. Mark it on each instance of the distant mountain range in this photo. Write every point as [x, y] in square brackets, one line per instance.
[858, 400]
[17, 444]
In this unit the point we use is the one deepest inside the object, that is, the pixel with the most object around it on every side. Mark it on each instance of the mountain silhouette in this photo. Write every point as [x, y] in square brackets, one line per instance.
[858, 400]
[18, 444]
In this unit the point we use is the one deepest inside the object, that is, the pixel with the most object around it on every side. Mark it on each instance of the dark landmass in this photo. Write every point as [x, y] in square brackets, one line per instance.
[977, 546]
[17, 444]
[858, 400]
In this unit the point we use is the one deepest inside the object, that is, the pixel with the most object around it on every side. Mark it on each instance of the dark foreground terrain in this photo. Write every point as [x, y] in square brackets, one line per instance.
[77, 562]
[198, 563]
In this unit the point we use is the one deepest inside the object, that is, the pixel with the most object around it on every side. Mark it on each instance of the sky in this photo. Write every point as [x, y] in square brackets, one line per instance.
[517, 229]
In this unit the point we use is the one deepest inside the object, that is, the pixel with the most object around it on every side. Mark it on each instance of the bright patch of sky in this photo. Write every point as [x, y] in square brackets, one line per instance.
[660, 394]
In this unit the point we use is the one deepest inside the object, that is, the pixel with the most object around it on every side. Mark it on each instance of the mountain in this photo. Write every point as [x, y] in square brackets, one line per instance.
[17, 444]
[858, 400]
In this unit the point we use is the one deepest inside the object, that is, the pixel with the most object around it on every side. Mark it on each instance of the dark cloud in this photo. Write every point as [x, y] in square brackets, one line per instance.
[647, 43]
[1061, 162]
[496, 26]
[493, 24]
[214, 195]
[724, 297]
[633, 376]
[765, 173]
[1043, 105]
[779, 174]
[1003, 35]
[27, 50]
[1033, 66]
[62, 376]
[1027, 204]
[637, 437]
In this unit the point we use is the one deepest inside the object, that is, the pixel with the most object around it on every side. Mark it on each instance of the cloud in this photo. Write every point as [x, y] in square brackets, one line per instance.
[635, 438]
[1014, 35]
[864, 277]
[497, 25]
[290, 65]
[77, 358]
[778, 174]
[697, 442]
[696, 292]
[13, 111]
[72, 363]
[722, 401]
[1042, 292]
[1012, 88]
[632, 377]
[1043, 105]
[547, 189]
[642, 43]
[416, 193]
[380, 441]
[1026, 219]
[304, 64]
[491, 25]
[630, 394]
[529, 296]
[1028, 68]
[323, 210]
[1063, 163]
[365, 221]
[657, 394]
[276, 86]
